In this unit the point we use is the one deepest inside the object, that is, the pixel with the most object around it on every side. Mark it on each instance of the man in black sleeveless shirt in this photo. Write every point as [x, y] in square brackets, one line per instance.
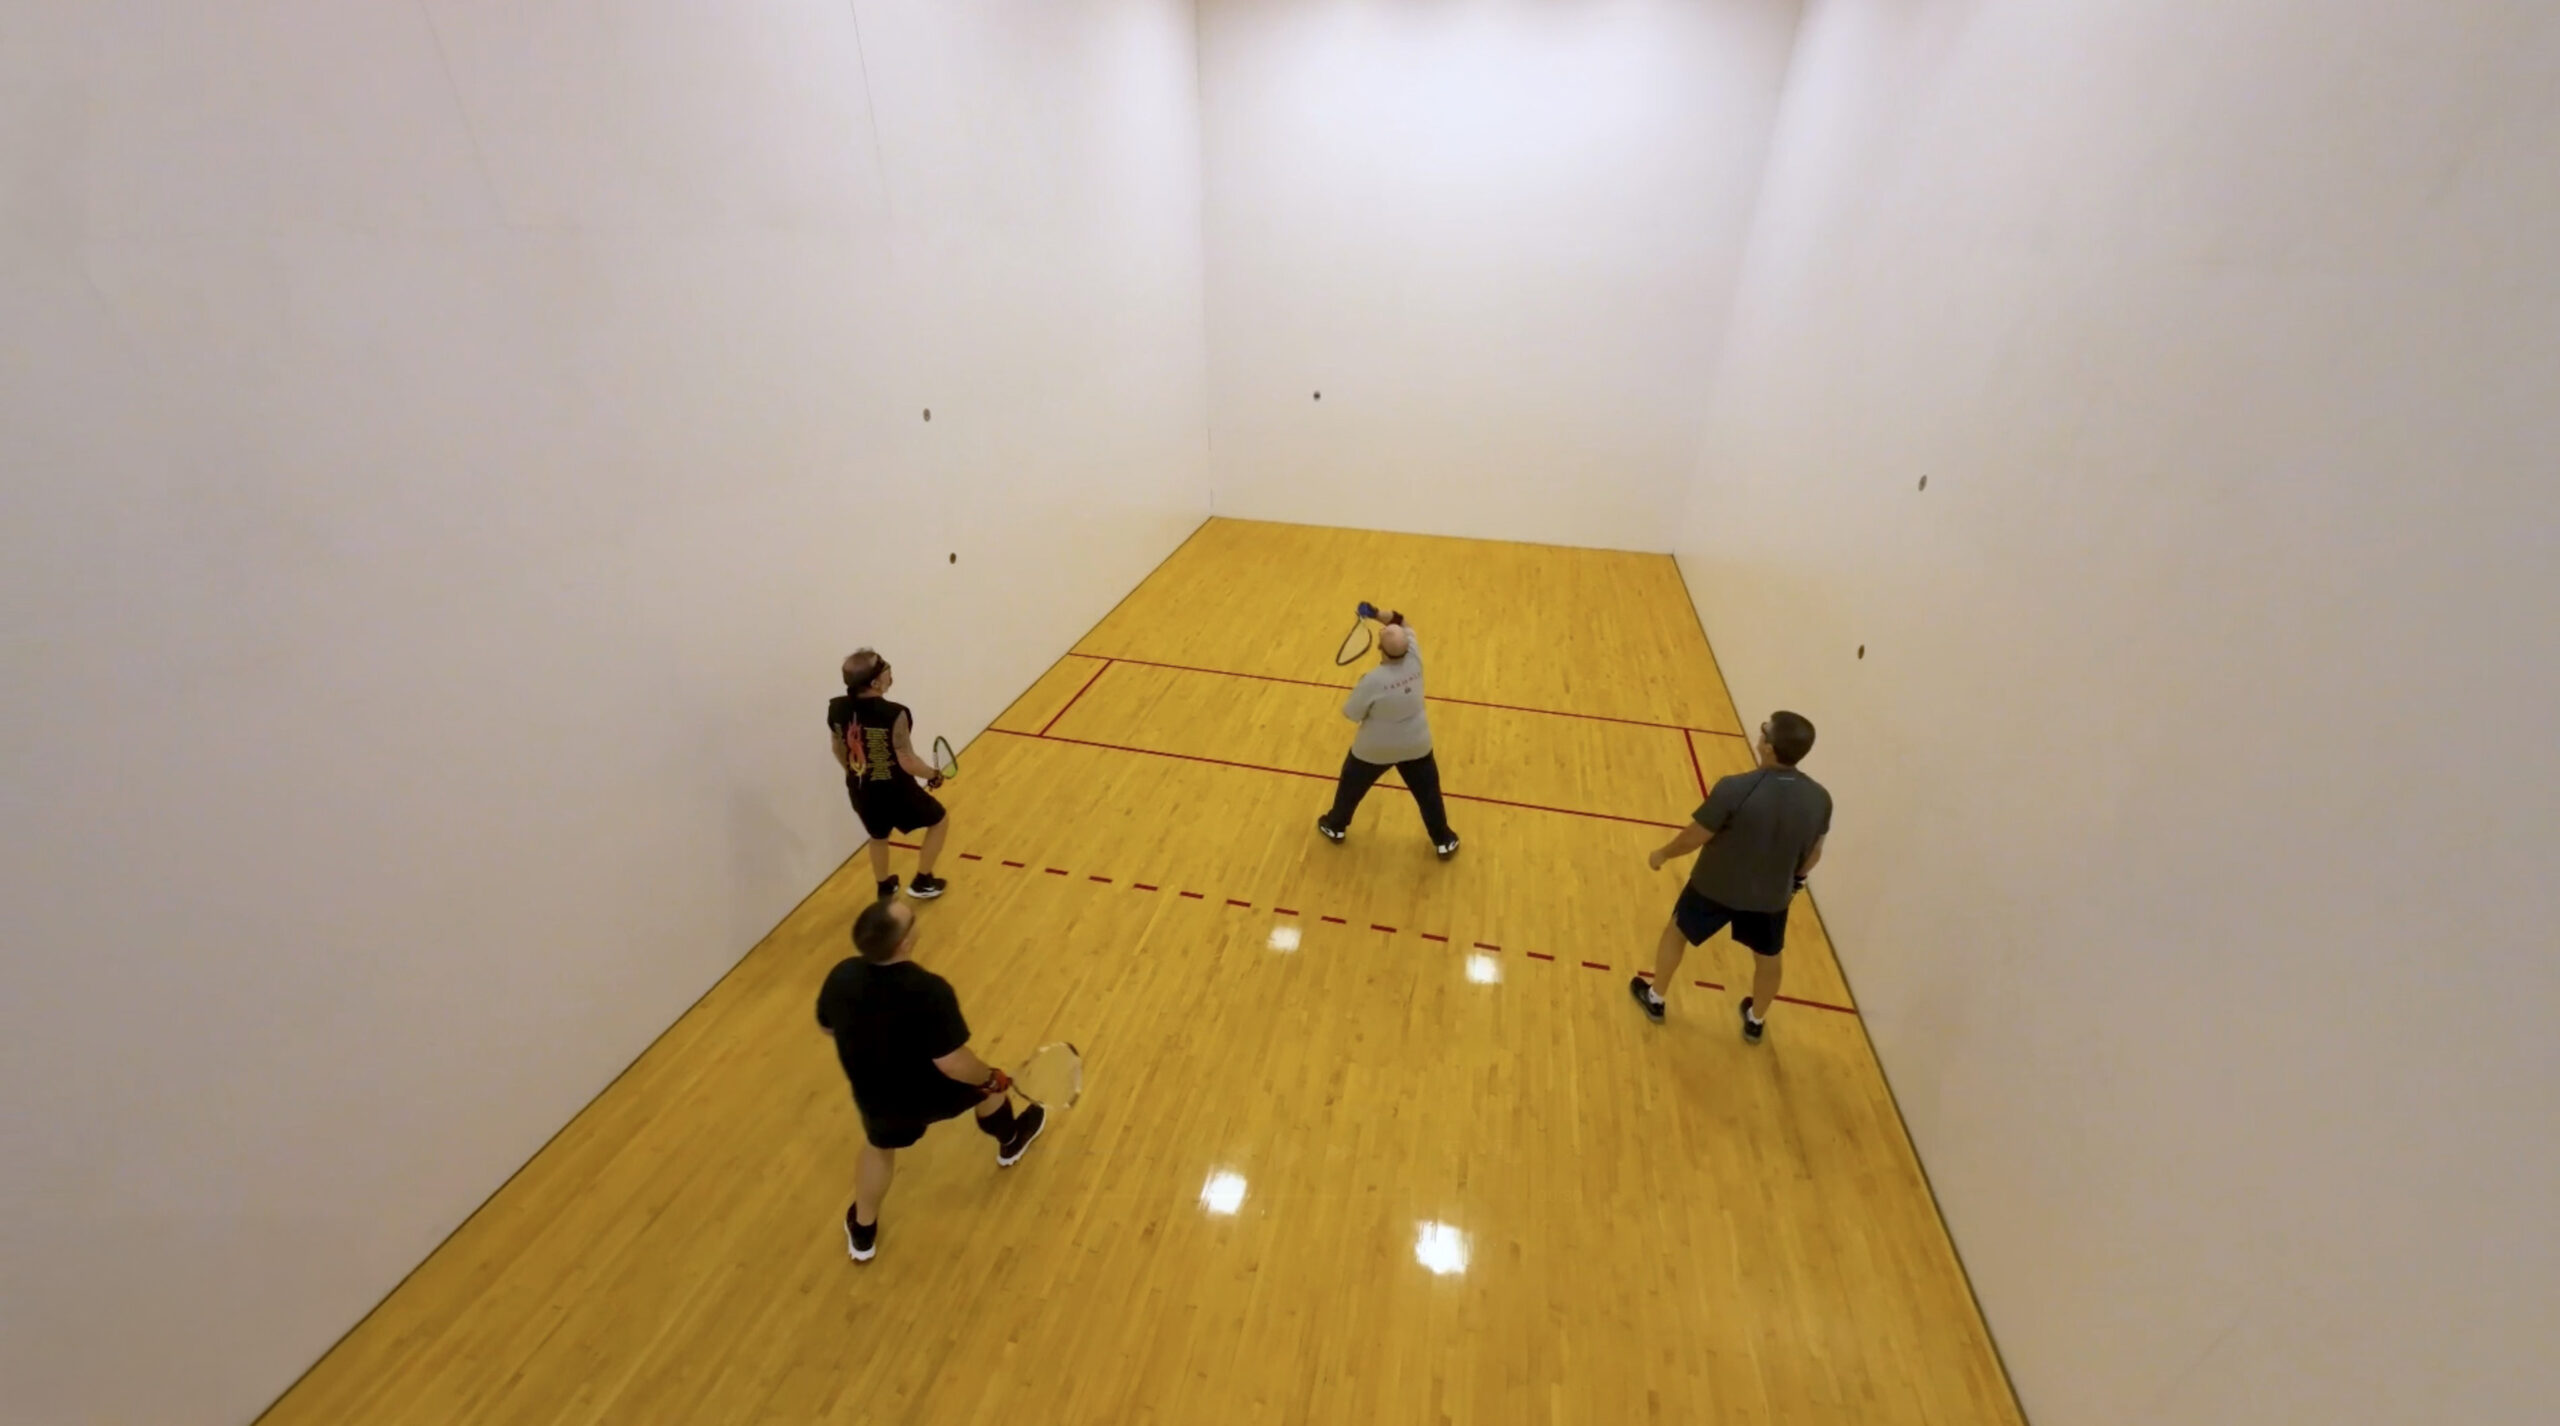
[873, 741]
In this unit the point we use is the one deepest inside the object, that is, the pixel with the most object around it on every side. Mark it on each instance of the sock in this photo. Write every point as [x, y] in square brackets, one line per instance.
[1653, 995]
[1751, 1011]
[999, 1125]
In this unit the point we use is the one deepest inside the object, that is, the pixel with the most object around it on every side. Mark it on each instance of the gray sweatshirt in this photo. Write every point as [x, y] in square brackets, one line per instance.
[1387, 704]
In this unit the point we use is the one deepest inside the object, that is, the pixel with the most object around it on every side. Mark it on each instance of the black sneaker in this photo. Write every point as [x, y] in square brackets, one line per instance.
[926, 886]
[1331, 832]
[861, 1240]
[1026, 1127]
[888, 888]
[1752, 1029]
[1645, 997]
[1448, 848]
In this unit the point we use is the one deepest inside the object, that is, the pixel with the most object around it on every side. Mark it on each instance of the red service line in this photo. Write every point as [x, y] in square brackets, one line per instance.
[1694, 765]
[1428, 697]
[1328, 777]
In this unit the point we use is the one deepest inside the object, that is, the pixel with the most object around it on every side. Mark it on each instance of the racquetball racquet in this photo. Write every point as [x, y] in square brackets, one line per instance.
[1052, 1077]
[946, 763]
[1357, 642]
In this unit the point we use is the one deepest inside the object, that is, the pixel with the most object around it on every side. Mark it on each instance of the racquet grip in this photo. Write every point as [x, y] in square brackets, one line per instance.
[998, 1082]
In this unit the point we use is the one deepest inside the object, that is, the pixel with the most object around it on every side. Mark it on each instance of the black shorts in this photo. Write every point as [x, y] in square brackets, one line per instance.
[886, 807]
[898, 1129]
[1765, 932]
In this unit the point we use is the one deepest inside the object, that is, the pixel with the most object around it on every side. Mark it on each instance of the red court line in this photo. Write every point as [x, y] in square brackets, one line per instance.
[1374, 926]
[971, 857]
[1055, 870]
[1061, 713]
[1247, 905]
[1194, 896]
[1694, 765]
[1815, 1004]
[1328, 777]
[1540, 956]
[1709, 984]
[1487, 946]
[1142, 886]
[1106, 881]
[1017, 866]
[1284, 911]
[1429, 937]
[1428, 697]
[1594, 965]
[1334, 921]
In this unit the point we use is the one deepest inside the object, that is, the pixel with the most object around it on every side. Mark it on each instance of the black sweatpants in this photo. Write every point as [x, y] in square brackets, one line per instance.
[1421, 778]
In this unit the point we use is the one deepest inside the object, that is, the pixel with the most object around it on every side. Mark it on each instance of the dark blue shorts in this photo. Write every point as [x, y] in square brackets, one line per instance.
[1765, 932]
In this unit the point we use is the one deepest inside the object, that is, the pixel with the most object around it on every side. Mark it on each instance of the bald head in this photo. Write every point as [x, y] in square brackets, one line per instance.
[1394, 642]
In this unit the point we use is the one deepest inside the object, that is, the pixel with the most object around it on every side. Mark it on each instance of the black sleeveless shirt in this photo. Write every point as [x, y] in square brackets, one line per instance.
[869, 727]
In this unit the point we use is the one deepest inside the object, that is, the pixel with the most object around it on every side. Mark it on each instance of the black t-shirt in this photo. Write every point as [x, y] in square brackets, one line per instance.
[891, 1023]
[869, 727]
[1765, 821]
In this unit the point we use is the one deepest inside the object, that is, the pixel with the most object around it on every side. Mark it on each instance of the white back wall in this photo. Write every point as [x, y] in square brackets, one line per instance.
[1499, 238]
[2197, 787]
[448, 449]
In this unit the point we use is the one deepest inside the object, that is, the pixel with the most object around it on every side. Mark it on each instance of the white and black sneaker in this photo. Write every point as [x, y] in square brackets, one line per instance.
[888, 888]
[1645, 997]
[1448, 848]
[1331, 832]
[1752, 1026]
[926, 886]
[1026, 1127]
[861, 1240]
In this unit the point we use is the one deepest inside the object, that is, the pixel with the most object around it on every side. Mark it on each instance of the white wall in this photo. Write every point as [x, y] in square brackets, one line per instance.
[1498, 236]
[2197, 789]
[448, 448]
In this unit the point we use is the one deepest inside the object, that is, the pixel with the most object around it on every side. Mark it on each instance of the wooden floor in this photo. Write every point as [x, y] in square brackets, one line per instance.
[1659, 1224]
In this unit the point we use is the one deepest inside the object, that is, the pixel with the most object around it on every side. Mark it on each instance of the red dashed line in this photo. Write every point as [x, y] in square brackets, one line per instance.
[1391, 930]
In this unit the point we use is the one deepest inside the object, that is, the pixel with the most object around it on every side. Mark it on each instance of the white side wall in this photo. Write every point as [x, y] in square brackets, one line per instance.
[2198, 787]
[448, 448]
[1499, 237]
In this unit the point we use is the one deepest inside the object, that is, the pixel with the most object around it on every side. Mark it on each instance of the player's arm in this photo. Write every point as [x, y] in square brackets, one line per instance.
[1690, 839]
[964, 1065]
[842, 748]
[1812, 859]
[906, 749]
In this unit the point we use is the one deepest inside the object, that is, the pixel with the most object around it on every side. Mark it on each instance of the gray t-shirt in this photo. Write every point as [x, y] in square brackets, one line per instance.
[1765, 821]
[1387, 704]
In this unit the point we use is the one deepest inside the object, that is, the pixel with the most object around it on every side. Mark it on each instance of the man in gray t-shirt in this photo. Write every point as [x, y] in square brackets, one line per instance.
[1394, 733]
[1757, 836]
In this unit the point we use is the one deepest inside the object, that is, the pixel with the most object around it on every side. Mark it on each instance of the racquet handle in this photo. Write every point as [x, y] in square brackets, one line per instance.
[1366, 610]
[997, 1083]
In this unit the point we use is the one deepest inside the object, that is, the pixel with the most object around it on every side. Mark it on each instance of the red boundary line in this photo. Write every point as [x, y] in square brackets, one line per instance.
[1428, 697]
[1328, 777]
[1694, 765]
[1062, 712]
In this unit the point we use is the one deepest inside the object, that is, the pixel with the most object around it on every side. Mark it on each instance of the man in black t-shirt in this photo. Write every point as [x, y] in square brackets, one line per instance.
[1757, 836]
[905, 1048]
[873, 742]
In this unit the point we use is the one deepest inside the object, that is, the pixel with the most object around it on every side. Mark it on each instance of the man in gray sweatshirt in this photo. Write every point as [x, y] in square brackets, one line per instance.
[1394, 733]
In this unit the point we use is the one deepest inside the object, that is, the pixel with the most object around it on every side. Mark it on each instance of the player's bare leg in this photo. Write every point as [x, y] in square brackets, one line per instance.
[1766, 972]
[879, 859]
[1668, 953]
[934, 837]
